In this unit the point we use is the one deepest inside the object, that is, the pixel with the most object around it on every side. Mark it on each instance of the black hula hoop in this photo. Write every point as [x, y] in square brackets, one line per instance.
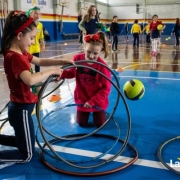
[39, 84]
[96, 173]
[97, 157]
[160, 154]
[119, 93]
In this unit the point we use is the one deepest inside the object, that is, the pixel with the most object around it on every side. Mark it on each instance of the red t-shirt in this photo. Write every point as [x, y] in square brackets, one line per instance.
[90, 87]
[153, 25]
[14, 65]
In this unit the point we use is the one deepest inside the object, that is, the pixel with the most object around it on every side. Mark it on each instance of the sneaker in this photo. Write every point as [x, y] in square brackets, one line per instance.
[153, 53]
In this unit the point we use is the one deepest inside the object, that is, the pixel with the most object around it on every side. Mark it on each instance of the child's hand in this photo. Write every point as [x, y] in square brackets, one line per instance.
[87, 105]
[58, 72]
[84, 32]
[42, 47]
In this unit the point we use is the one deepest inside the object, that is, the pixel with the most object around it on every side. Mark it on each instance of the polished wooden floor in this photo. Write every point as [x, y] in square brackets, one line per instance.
[155, 118]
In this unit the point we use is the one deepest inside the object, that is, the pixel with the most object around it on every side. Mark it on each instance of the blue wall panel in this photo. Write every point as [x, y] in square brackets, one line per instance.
[54, 32]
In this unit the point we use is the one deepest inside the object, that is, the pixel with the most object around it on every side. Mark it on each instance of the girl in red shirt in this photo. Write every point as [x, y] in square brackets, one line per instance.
[19, 33]
[92, 89]
[155, 33]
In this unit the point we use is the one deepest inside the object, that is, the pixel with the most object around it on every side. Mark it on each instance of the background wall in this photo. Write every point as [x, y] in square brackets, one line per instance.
[124, 9]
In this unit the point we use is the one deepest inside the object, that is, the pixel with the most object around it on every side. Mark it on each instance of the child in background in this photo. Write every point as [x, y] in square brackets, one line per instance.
[126, 31]
[147, 29]
[79, 18]
[155, 33]
[89, 22]
[108, 31]
[136, 30]
[18, 34]
[92, 89]
[39, 45]
[175, 32]
[114, 28]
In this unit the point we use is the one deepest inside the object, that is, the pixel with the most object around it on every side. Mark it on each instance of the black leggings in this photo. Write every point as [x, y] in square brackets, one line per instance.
[20, 119]
[115, 42]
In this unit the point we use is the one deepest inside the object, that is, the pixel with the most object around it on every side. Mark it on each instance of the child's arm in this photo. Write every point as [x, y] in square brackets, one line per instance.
[42, 44]
[140, 31]
[81, 26]
[31, 79]
[132, 29]
[50, 62]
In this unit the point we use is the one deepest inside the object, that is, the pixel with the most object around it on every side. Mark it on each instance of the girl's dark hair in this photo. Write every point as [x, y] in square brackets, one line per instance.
[155, 15]
[13, 22]
[177, 21]
[136, 21]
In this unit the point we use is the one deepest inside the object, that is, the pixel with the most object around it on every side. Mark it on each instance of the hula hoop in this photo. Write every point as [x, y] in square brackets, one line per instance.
[61, 138]
[160, 154]
[96, 173]
[86, 135]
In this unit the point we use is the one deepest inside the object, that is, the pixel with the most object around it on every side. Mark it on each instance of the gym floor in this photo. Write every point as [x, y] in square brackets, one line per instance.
[154, 119]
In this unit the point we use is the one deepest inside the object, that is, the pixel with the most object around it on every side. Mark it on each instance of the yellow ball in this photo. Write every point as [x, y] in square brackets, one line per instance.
[159, 27]
[134, 89]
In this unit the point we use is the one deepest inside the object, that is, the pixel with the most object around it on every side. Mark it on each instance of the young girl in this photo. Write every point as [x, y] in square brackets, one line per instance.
[39, 44]
[114, 28]
[19, 33]
[135, 30]
[175, 31]
[155, 33]
[92, 89]
[89, 22]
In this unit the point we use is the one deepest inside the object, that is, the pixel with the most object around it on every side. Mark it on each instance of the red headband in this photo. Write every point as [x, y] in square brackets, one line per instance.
[92, 37]
[24, 26]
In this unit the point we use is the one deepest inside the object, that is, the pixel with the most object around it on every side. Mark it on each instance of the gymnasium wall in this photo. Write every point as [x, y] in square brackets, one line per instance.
[51, 14]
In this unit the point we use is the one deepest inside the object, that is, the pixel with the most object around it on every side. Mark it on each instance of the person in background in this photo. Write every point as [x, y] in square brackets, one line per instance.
[155, 33]
[136, 30]
[114, 29]
[147, 29]
[79, 18]
[126, 31]
[92, 89]
[39, 44]
[89, 22]
[175, 32]
[108, 31]
[46, 35]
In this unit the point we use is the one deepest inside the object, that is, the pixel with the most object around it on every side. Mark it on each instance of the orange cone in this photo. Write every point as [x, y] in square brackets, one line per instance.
[54, 98]
[119, 69]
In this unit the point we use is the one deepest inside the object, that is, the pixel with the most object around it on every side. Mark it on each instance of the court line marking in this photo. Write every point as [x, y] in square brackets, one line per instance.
[141, 77]
[63, 55]
[121, 159]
